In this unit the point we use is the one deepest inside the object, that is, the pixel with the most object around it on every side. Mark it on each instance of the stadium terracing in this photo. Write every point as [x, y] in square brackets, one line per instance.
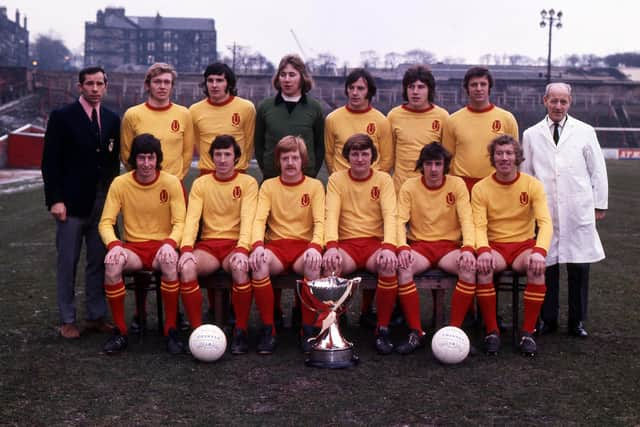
[603, 97]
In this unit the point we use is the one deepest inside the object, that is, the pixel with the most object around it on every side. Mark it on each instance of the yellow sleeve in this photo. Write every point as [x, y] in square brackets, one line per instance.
[187, 145]
[127, 133]
[404, 213]
[542, 215]
[178, 211]
[249, 133]
[109, 216]
[329, 145]
[389, 212]
[262, 214]
[448, 137]
[465, 216]
[386, 147]
[194, 214]
[333, 206]
[247, 214]
[479, 209]
[317, 211]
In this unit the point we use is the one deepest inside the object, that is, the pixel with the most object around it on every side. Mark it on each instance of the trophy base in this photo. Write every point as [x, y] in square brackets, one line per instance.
[332, 359]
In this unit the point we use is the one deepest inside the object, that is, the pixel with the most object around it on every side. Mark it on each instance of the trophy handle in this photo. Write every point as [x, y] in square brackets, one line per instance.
[299, 284]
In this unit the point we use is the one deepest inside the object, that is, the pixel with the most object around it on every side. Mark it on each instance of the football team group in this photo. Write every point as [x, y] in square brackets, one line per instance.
[418, 189]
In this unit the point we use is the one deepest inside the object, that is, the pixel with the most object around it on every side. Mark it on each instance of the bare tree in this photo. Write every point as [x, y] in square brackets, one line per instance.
[392, 59]
[369, 58]
[419, 56]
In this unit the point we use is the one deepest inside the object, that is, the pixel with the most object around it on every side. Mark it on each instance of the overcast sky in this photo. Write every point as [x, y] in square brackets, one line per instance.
[450, 28]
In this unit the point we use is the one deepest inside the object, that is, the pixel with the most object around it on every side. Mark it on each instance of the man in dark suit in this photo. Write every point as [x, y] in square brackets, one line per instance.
[80, 159]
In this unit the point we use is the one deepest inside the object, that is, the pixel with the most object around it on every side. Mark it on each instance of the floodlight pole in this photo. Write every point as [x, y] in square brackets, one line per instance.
[552, 18]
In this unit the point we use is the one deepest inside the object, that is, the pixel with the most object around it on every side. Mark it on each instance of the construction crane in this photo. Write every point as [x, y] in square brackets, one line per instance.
[304, 55]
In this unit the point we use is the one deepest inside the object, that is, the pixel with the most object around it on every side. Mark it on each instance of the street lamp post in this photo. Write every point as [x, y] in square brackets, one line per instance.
[552, 18]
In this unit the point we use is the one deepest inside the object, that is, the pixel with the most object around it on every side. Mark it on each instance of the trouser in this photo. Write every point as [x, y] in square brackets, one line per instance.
[69, 236]
[578, 278]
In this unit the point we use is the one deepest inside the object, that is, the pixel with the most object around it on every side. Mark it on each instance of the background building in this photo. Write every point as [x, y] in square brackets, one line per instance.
[14, 40]
[122, 43]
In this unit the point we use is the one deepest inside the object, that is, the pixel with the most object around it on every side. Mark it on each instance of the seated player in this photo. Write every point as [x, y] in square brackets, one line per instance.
[436, 207]
[223, 203]
[287, 235]
[507, 206]
[152, 206]
[361, 227]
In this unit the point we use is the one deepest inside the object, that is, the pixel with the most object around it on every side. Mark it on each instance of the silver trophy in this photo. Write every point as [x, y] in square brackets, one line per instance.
[329, 298]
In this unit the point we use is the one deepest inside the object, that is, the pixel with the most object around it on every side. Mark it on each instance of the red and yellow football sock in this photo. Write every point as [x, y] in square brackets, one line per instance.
[170, 292]
[263, 293]
[460, 302]
[386, 293]
[486, 295]
[192, 301]
[115, 296]
[533, 299]
[410, 302]
[241, 294]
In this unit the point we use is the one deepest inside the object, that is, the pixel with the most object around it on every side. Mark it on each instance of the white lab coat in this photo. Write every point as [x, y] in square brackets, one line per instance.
[574, 175]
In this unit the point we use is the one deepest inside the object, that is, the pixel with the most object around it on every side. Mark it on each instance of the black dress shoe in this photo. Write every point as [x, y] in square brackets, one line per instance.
[578, 330]
[546, 328]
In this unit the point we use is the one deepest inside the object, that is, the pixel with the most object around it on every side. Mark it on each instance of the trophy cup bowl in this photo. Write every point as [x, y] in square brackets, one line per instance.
[329, 298]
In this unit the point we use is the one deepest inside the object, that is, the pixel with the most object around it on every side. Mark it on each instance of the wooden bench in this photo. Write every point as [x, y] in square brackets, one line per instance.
[511, 281]
[143, 282]
[436, 280]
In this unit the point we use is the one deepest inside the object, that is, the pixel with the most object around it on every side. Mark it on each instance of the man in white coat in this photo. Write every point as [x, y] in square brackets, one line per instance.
[565, 155]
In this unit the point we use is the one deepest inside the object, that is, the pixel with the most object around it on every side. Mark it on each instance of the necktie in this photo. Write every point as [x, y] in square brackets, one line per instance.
[95, 127]
[556, 134]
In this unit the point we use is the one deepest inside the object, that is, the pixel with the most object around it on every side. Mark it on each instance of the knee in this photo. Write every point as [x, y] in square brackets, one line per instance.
[169, 271]
[112, 273]
[188, 273]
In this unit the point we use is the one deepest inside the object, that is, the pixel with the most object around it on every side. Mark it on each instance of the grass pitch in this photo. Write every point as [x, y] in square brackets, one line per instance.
[45, 380]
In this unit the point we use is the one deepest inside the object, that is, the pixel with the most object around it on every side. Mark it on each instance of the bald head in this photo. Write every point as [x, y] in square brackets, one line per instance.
[558, 86]
[557, 99]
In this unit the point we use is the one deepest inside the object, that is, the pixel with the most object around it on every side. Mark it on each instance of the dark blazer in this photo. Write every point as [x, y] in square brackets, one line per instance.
[75, 164]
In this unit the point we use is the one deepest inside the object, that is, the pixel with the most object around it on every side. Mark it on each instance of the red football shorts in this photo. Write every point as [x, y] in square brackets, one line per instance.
[146, 251]
[511, 250]
[218, 248]
[434, 251]
[360, 249]
[287, 250]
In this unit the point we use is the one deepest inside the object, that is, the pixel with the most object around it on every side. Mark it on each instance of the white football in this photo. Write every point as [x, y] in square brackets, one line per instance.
[450, 345]
[207, 343]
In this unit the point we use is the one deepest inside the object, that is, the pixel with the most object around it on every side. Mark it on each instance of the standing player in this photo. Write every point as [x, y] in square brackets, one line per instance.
[291, 112]
[291, 210]
[565, 155]
[358, 116]
[152, 206]
[507, 208]
[170, 123]
[222, 113]
[436, 208]
[361, 227]
[222, 204]
[415, 123]
[470, 129]
[79, 161]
